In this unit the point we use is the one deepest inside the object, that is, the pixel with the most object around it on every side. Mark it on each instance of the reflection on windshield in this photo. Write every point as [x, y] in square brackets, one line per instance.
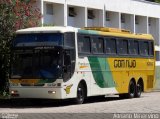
[36, 40]
[40, 64]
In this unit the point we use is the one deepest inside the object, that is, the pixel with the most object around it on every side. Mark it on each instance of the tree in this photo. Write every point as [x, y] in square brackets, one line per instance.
[14, 15]
[157, 1]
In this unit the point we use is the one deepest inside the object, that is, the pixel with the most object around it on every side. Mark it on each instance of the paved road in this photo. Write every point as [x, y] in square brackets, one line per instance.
[148, 103]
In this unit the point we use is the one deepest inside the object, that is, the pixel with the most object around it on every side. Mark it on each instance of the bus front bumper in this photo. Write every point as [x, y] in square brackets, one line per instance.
[30, 92]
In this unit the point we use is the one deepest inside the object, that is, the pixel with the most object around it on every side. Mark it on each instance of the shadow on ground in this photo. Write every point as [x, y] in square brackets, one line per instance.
[42, 103]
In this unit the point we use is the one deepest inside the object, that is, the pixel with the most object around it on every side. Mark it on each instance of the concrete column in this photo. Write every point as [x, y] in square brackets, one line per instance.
[133, 23]
[42, 11]
[104, 15]
[119, 20]
[86, 17]
[65, 13]
[158, 30]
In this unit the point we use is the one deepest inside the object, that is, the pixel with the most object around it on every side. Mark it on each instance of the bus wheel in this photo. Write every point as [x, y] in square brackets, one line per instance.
[80, 94]
[131, 90]
[138, 89]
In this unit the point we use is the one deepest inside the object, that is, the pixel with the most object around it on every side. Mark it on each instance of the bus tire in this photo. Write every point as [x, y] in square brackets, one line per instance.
[131, 89]
[81, 94]
[138, 89]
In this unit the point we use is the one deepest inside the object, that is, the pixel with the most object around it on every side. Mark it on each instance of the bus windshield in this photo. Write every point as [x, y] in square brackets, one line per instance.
[38, 39]
[38, 63]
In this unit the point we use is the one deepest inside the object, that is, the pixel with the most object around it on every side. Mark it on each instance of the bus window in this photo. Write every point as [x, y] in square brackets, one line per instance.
[110, 46]
[151, 49]
[144, 48]
[98, 45]
[133, 47]
[122, 46]
[84, 45]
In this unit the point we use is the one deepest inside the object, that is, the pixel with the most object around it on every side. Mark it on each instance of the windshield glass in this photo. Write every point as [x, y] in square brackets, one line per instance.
[38, 63]
[38, 39]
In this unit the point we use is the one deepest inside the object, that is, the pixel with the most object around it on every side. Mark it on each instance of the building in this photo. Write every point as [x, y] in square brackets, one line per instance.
[138, 16]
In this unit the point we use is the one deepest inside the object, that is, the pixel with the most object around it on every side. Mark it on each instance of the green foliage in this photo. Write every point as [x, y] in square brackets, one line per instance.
[14, 14]
[157, 1]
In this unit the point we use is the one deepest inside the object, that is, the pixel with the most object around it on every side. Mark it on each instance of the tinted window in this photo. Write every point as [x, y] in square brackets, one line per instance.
[122, 46]
[84, 44]
[69, 40]
[133, 47]
[144, 48]
[38, 39]
[151, 49]
[110, 45]
[98, 45]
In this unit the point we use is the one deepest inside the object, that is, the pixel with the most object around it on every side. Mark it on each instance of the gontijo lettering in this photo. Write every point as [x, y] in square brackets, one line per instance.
[124, 63]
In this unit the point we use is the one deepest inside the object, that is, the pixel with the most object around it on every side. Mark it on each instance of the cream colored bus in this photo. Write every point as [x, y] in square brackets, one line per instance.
[66, 62]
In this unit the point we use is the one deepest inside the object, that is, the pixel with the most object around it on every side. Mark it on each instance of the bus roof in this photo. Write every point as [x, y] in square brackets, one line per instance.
[49, 29]
[87, 30]
[114, 32]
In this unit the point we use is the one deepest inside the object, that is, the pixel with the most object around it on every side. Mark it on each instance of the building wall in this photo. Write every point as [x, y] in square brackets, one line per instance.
[140, 16]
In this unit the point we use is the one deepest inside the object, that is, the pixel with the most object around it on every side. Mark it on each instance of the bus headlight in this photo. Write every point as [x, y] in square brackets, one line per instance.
[51, 92]
[14, 91]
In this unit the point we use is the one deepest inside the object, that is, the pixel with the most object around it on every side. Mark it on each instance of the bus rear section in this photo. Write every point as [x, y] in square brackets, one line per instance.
[120, 62]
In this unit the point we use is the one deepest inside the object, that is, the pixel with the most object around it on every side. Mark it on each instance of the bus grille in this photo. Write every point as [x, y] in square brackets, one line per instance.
[32, 84]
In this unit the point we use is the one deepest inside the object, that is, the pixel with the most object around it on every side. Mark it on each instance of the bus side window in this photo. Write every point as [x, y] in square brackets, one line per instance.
[111, 46]
[151, 48]
[136, 47]
[133, 47]
[98, 45]
[84, 44]
[144, 48]
[122, 46]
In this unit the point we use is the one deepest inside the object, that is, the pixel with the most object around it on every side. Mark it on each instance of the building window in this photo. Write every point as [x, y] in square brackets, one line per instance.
[122, 18]
[149, 22]
[107, 16]
[49, 9]
[72, 12]
[91, 14]
[136, 20]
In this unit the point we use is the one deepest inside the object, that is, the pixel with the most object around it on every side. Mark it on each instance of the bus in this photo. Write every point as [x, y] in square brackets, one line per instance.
[67, 62]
